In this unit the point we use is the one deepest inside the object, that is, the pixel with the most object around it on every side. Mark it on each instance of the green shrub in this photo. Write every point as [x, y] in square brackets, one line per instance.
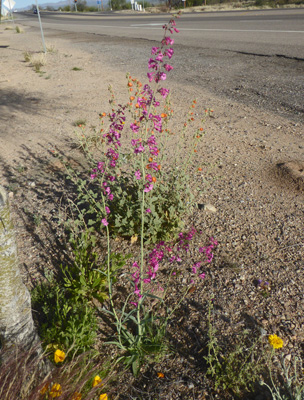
[62, 320]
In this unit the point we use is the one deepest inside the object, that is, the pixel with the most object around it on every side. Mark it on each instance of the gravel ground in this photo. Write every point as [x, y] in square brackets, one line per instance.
[251, 183]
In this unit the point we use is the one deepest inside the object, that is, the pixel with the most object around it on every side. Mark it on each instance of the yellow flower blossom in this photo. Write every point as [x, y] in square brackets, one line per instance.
[275, 341]
[103, 396]
[96, 381]
[59, 356]
[55, 390]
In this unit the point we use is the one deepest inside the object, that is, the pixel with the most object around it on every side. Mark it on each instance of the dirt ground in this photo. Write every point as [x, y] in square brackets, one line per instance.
[252, 182]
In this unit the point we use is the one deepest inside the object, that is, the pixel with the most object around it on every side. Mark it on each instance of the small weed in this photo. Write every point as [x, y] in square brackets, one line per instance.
[37, 219]
[9, 28]
[287, 380]
[76, 69]
[27, 56]
[51, 49]
[38, 62]
[20, 168]
[236, 370]
[79, 122]
[18, 30]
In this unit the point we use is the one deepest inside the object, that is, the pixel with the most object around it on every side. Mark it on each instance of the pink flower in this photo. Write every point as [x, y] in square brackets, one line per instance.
[137, 174]
[148, 188]
[154, 50]
[105, 222]
[148, 210]
[168, 67]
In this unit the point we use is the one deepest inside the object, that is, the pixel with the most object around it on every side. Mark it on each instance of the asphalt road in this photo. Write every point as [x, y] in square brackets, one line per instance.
[260, 32]
[251, 56]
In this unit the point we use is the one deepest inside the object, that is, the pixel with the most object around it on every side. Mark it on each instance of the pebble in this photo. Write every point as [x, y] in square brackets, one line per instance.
[210, 207]
[288, 357]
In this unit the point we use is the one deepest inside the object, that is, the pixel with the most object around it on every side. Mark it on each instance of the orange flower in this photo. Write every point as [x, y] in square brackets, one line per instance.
[150, 159]
[185, 124]
[159, 167]
[195, 151]
[201, 129]
[154, 179]
[130, 84]
[199, 169]
[137, 105]
[130, 90]
[160, 375]
[163, 115]
[132, 98]
[103, 114]
[44, 389]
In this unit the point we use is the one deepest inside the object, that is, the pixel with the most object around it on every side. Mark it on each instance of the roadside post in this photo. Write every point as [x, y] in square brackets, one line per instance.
[41, 30]
[75, 3]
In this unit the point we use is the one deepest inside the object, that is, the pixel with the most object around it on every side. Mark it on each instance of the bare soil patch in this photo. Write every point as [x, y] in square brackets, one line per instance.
[257, 214]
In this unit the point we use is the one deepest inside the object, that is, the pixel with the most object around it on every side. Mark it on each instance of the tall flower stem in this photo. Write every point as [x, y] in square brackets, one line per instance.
[141, 251]
[109, 267]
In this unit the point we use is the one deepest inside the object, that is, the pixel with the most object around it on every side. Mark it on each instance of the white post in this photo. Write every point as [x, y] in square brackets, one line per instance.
[42, 35]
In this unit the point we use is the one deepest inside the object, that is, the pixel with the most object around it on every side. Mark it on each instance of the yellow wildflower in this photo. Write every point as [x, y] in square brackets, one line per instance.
[59, 356]
[96, 381]
[275, 341]
[55, 390]
[103, 396]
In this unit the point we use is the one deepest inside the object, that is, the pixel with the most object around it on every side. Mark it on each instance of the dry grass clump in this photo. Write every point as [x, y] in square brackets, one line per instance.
[37, 61]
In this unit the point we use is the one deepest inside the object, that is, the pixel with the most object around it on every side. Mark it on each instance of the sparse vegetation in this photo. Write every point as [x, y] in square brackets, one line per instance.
[38, 61]
[27, 56]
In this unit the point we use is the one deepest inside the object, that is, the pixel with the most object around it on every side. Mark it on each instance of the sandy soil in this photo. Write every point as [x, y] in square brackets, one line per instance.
[252, 178]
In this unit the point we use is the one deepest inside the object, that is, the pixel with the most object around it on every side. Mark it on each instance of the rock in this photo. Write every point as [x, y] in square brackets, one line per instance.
[207, 207]
[288, 357]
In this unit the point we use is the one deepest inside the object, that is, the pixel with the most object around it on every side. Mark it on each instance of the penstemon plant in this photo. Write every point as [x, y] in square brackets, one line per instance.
[138, 194]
